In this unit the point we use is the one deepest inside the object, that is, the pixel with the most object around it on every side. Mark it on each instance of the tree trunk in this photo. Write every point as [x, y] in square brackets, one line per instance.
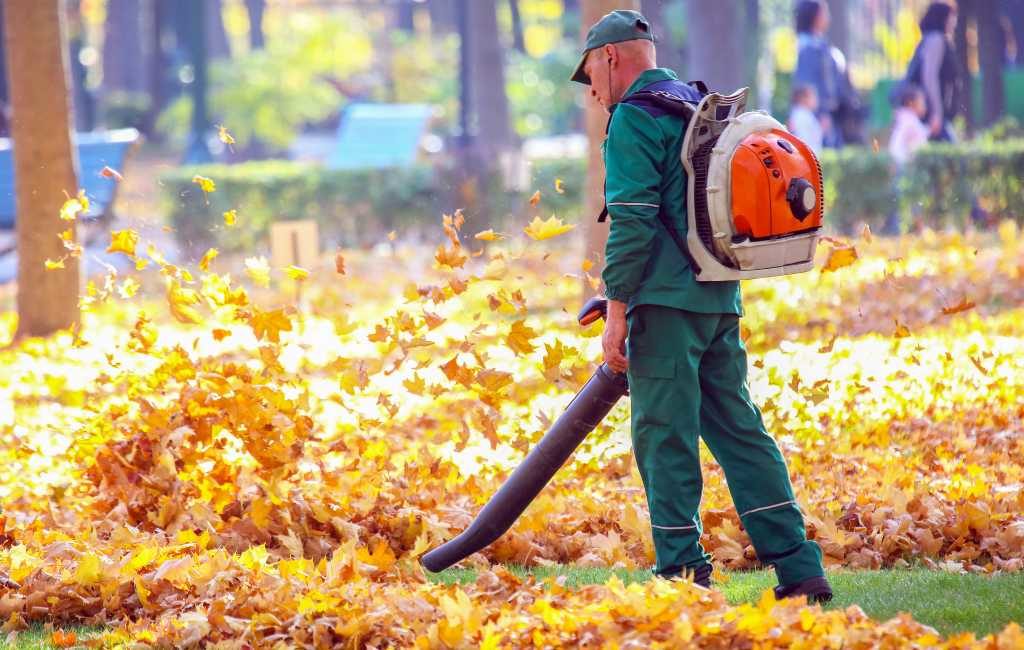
[4, 93]
[595, 234]
[123, 59]
[442, 16]
[670, 53]
[715, 51]
[44, 163]
[405, 15]
[487, 70]
[991, 59]
[965, 96]
[1015, 13]
[518, 42]
[217, 46]
[256, 9]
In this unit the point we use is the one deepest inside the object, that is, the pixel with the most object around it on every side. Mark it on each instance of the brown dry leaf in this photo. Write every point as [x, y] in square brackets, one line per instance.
[535, 199]
[963, 305]
[339, 263]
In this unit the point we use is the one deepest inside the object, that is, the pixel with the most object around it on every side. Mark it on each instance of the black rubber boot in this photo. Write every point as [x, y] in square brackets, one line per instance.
[817, 590]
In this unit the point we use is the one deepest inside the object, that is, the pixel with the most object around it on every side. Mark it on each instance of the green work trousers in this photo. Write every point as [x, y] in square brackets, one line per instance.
[688, 378]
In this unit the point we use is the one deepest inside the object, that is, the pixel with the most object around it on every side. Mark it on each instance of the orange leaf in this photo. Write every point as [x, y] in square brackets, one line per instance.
[110, 172]
[488, 235]
[535, 199]
[204, 263]
[270, 324]
[339, 263]
[963, 305]
[840, 256]
[519, 337]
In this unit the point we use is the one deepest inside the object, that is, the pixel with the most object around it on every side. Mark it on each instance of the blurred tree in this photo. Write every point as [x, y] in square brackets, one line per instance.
[1015, 14]
[518, 42]
[965, 99]
[123, 58]
[595, 234]
[256, 9]
[442, 16]
[217, 46]
[405, 15]
[670, 52]
[489, 98]
[716, 50]
[571, 19]
[44, 163]
[4, 95]
[158, 29]
[198, 21]
[991, 59]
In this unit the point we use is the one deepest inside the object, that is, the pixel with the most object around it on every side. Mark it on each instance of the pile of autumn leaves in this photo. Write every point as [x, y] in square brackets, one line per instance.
[249, 473]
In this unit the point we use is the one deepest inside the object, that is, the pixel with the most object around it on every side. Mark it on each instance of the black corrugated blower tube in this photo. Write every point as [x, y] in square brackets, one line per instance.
[597, 397]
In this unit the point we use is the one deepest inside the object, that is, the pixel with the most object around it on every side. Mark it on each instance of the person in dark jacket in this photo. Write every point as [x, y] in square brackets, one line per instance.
[934, 68]
[823, 67]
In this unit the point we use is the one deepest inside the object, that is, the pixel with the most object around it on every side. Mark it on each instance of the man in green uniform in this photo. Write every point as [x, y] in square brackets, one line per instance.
[686, 364]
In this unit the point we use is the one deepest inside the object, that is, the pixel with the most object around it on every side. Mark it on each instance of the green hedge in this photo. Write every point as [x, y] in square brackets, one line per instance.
[360, 207]
[352, 208]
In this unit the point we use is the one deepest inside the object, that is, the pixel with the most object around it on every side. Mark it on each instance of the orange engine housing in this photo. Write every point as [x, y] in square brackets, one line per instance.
[771, 173]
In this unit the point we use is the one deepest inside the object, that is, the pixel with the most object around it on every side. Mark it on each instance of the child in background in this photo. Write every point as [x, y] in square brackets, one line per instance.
[803, 118]
[909, 133]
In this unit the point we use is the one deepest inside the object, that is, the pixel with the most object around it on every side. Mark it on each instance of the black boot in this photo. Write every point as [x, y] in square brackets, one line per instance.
[817, 590]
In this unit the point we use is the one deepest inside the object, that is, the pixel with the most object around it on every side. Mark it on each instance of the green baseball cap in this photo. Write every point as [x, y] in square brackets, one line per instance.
[615, 27]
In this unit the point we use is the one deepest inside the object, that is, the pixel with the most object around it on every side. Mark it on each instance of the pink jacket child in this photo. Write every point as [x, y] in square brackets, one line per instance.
[909, 133]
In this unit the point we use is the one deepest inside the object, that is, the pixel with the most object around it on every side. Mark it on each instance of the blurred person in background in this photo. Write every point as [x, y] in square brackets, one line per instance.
[934, 68]
[803, 117]
[823, 67]
[909, 133]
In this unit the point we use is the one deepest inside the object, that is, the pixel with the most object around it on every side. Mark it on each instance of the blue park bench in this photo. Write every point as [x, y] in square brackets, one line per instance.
[375, 136]
[96, 150]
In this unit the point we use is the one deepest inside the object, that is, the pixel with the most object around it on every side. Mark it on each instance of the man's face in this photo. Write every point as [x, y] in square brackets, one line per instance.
[601, 72]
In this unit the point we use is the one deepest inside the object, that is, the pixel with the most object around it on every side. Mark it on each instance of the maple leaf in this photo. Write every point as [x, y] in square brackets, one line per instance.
[270, 324]
[204, 263]
[129, 287]
[488, 235]
[559, 187]
[963, 305]
[181, 301]
[339, 263]
[110, 172]
[230, 217]
[838, 257]
[224, 136]
[73, 207]
[535, 199]
[519, 337]
[902, 331]
[452, 257]
[865, 234]
[54, 264]
[62, 639]
[296, 273]
[493, 380]
[205, 184]
[123, 241]
[552, 227]
[258, 270]
[587, 265]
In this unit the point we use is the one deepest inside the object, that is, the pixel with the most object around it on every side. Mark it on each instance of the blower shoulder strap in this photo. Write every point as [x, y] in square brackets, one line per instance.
[680, 107]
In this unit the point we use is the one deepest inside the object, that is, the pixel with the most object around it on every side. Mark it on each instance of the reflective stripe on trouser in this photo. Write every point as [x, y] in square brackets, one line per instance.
[688, 378]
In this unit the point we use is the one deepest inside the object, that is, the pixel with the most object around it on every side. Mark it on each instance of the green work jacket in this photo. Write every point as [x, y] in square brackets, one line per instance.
[644, 174]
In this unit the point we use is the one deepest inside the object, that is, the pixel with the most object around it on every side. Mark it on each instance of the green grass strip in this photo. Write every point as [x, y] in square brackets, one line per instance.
[949, 602]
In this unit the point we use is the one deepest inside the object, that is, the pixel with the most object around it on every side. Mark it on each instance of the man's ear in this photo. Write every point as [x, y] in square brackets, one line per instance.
[611, 54]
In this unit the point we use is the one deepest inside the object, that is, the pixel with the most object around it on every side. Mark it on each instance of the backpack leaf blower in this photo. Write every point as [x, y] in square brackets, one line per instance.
[597, 397]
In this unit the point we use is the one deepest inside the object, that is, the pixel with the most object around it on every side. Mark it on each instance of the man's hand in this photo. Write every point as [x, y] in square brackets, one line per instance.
[614, 339]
